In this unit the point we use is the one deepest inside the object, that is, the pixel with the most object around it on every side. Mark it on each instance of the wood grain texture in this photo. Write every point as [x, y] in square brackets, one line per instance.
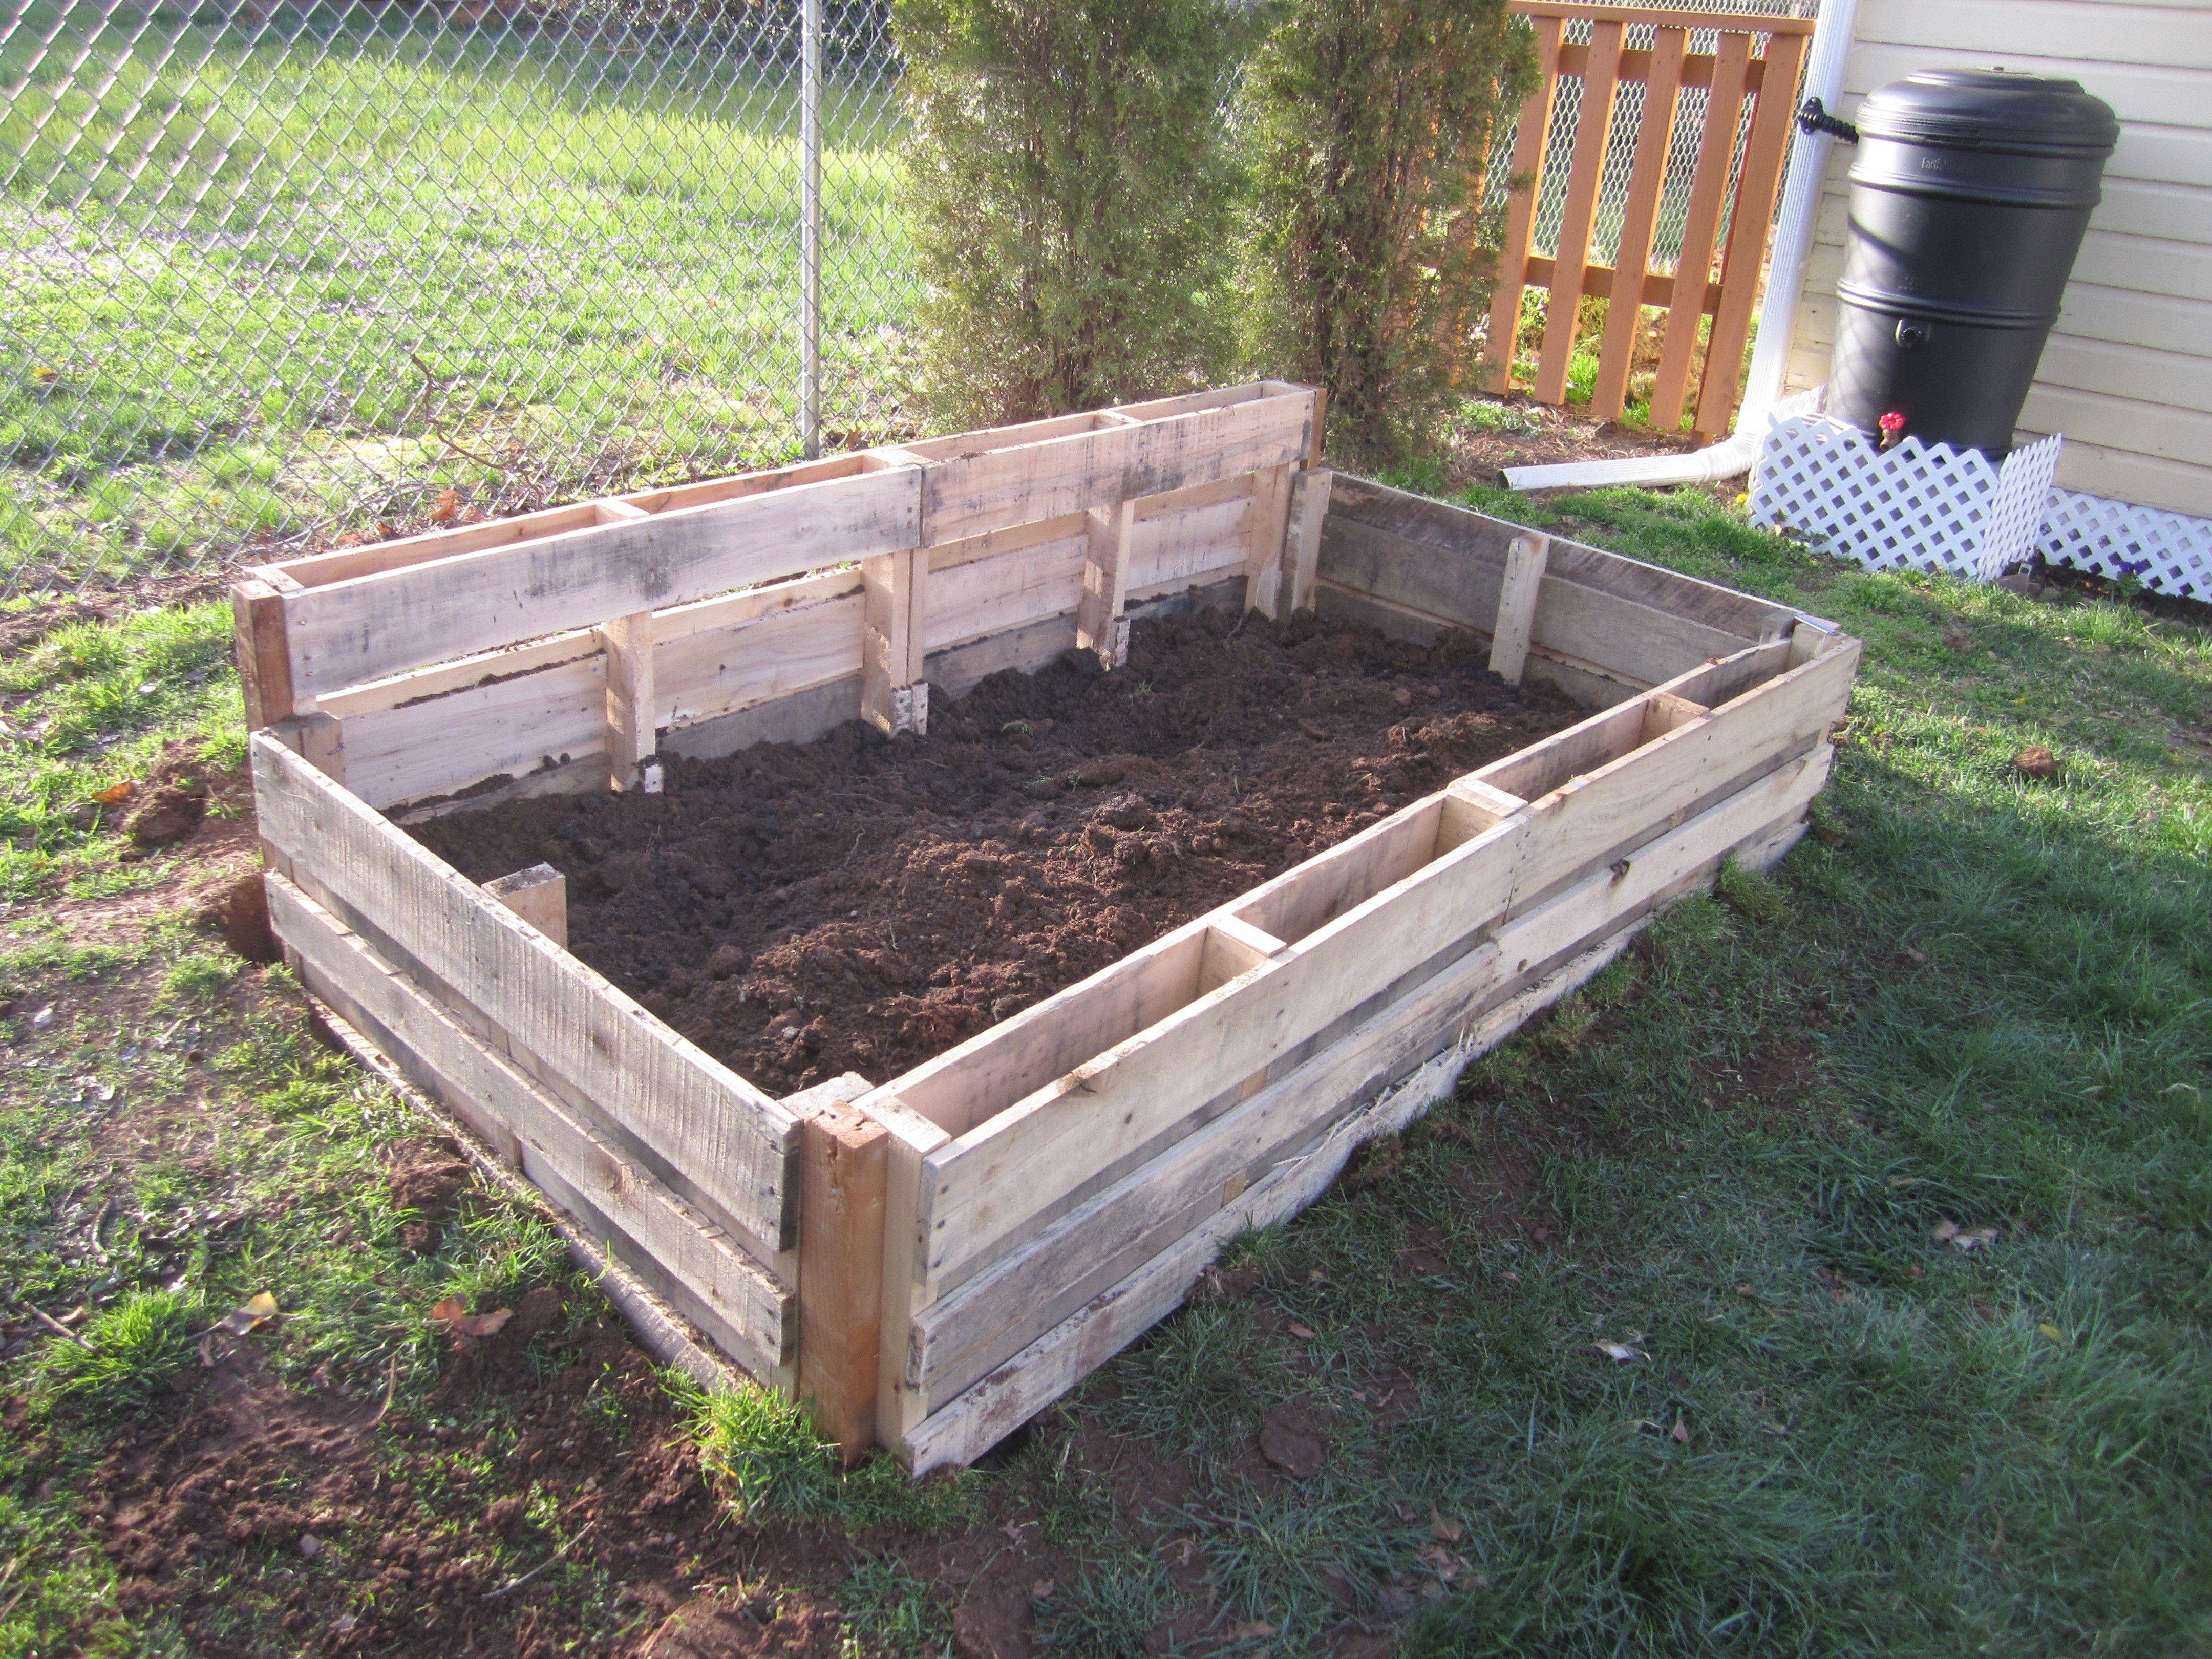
[1593, 135]
[1530, 137]
[1517, 594]
[723, 1290]
[845, 1166]
[725, 1134]
[1654, 142]
[369, 626]
[1701, 227]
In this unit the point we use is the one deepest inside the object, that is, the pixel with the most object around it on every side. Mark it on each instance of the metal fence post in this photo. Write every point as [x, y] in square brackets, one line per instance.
[809, 230]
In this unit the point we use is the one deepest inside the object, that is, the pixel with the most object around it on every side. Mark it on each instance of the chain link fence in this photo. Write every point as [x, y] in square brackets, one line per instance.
[283, 274]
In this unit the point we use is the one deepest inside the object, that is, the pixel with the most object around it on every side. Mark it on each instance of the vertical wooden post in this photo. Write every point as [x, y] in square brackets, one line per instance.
[317, 739]
[893, 694]
[845, 1163]
[1593, 133]
[1309, 494]
[1654, 142]
[1528, 140]
[633, 739]
[539, 895]
[1693, 269]
[1747, 230]
[1263, 561]
[265, 662]
[1516, 606]
[1100, 627]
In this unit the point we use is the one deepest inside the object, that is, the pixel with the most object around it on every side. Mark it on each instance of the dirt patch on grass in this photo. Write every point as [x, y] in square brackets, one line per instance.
[859, 904]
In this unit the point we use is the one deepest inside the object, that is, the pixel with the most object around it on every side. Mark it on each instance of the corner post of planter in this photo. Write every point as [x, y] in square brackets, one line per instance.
[1310, 493]
[262, 647]
[539, 895]
[844, 1171]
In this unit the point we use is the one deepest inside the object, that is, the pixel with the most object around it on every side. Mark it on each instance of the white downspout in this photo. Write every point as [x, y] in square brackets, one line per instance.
[1785, 280]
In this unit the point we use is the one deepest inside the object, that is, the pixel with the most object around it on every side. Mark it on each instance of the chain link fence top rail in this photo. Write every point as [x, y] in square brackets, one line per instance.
[279, 274]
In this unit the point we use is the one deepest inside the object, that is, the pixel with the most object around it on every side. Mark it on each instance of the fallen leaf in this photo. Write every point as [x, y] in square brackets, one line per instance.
[2036, 762]
[1619, 1352]
[2052, 1332]
[1831, 836]
[1251, 1632]
[448, 506]
[454, 1313]
[1917, 956]
[116, 792]
[1949, 1232]
[1304, 1334]
[1681, 1432]
[310, 1546]
[1443, 1528]
[1042, 1590]
[258, 1310]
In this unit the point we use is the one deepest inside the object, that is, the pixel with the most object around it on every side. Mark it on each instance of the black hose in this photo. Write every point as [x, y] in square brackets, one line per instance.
[1813, 116]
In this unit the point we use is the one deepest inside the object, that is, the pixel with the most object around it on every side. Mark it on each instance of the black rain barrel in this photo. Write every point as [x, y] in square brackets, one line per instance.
[1969, 196]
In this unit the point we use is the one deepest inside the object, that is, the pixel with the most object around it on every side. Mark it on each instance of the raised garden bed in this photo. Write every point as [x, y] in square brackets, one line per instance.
[934, 1255]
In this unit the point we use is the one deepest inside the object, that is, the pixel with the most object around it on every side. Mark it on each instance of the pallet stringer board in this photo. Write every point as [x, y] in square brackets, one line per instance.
[1100, 626]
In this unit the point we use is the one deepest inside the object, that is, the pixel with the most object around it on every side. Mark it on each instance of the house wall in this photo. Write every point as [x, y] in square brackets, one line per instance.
[2127, 375]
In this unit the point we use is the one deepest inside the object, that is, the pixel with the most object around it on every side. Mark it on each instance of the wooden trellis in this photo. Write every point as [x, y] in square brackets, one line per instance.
[1731, 168]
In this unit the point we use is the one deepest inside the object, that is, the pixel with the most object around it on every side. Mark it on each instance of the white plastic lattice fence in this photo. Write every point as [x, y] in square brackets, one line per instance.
[2166, 552]
[1915, 506]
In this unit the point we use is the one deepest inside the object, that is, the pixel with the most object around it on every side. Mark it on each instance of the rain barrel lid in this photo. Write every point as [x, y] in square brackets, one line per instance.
[1990, 109]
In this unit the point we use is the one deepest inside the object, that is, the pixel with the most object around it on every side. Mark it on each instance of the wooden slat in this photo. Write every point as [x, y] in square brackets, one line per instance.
[1646, 179]
[1302, 541]
[1598, 281]
[966, 494]
[1016, 1170]
[1516, 606]
[684, 1107]
[845, 1169]
[1637, 65]
[265, 666]
[963, 1335]
[633, 737]
[1529, 139]
[1592, 136]
[893, 624]
[1263, 561]
[738, 1305]
[1708, 190]
[359, 629]
[1751, 219]
[1100, 627]
[539, 895]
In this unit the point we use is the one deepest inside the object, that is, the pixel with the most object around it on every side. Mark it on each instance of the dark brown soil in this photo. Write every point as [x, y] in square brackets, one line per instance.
[862, 904]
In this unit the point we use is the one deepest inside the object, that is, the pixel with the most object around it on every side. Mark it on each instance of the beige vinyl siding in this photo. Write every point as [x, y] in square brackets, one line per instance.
[2127, 375]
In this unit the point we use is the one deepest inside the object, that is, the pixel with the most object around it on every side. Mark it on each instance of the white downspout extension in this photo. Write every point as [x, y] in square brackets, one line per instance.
[1785, 282]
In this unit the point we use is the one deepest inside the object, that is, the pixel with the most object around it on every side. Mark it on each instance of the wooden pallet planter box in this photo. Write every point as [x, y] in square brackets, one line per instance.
[933, 1260]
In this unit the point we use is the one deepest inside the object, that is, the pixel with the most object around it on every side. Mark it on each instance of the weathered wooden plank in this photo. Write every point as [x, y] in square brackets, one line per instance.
[965, 1334]
[1015, 1170]
[684, 1107]
[632, 735]
[892, 589]
[539, 895]
[1263, 560]
[736, 1302]
[359, 629]
[1517, 594]
[1100, 627]
[969, 493]
[845, 1165]
[1479, 538]
[1309, 496]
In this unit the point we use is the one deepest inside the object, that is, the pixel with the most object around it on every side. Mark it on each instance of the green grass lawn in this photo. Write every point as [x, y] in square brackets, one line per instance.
[230, 256]
[1890, 1172]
